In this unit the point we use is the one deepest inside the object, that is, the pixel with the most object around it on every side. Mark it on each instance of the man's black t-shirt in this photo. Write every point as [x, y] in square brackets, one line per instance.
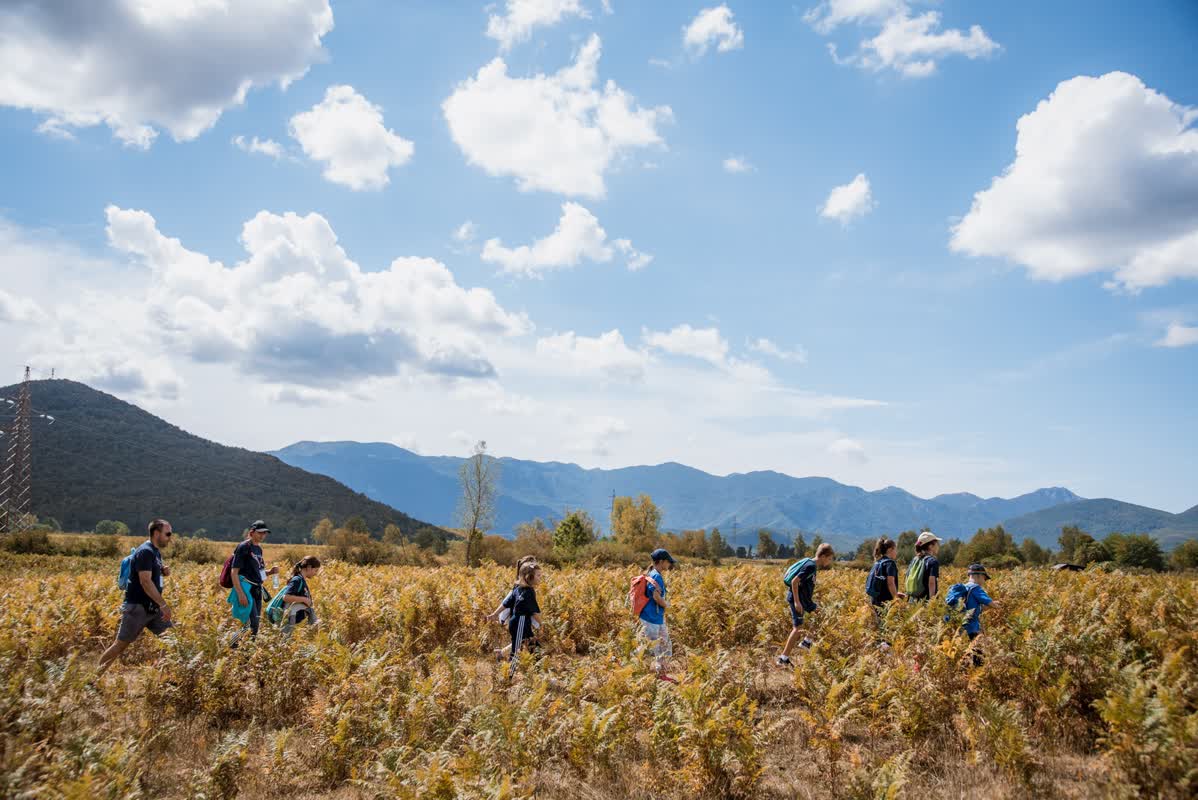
[146, 558]
[247, 557]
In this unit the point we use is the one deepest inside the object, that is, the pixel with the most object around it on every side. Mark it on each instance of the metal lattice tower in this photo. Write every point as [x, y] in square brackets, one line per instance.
[16, 481]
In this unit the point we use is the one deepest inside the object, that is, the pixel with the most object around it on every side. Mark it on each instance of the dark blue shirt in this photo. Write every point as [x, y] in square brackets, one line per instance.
[297, 586]
[883, 568]
[931, 569]
[522, 601]
[146, 558]
[806, 578]
[247, 557]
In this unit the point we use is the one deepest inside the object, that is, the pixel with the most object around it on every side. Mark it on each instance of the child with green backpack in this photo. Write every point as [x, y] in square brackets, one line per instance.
[800, 588]
[294, 604]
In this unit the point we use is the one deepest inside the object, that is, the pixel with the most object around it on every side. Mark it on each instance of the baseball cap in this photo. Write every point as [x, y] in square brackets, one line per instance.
[661, 554]
[259, 525]
[978, 569]
[925, 537]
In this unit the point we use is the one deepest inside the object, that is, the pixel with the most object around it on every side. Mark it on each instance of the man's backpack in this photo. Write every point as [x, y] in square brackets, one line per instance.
[638, 595]
[226, 572]
[793, 570]
[916, 583]
[126, 573]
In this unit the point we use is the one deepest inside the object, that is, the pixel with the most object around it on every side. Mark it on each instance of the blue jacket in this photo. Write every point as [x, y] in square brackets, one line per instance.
[240, 612]
[976, 600]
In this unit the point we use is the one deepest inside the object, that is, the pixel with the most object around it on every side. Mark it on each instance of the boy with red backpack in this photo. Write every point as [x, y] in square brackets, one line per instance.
[800, 588]
[648, 595]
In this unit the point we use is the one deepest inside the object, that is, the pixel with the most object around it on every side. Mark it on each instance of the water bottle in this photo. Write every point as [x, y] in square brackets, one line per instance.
[276, 581]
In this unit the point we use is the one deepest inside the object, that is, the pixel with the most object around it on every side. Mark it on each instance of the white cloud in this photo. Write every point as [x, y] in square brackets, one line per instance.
[910, 44]
[515, 25]
[466, 232]
[737, 165]
[594, 435]
[18, 309]
[557, 133]
[848, 448]
[851, 201]
[765, 346]
[606, 354]
[138, 67]
[713, 26]
[298, 312]
[577, 237]
[1179, 335]
[1105, 179]
[345, 131]
[266, 147]
[705, 344]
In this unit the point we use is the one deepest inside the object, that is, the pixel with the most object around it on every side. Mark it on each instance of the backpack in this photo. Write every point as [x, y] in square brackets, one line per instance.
[226, 572]
[638, 593]
[126, 573]
[875, 583]
[274, 609]
[916, 585]
[793, 570]
[959, 593]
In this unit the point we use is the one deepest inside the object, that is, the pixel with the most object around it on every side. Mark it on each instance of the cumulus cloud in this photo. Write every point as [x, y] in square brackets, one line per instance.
[577, 237]
[851, 201]
[767, 347]
[266, 147]
[1105, 179]
[737, 165]
[705, 344]
[1179, 335]
[910, 44]
[558, 133]
[298, 311]
[606, 354]
[18, 309]
[848, 448]
[465, 233]
[713, 26]
[516, 24]
[139, 67]
[345, 131]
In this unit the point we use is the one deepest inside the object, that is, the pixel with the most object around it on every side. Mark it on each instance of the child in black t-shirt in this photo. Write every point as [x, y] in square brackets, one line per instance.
[297, 596]
[503, 613]
[525, 612]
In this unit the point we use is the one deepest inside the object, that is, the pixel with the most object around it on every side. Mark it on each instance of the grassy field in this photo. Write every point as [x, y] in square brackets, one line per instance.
[1090, 689]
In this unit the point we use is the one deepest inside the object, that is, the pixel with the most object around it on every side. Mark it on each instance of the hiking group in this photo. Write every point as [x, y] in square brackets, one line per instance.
[245, 573]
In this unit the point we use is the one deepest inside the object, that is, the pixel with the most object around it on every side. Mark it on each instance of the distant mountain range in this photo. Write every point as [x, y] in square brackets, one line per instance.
[427, 486]
[102, 458]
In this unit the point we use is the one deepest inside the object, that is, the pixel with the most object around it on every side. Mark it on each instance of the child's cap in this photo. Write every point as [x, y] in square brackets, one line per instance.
[662, 554]
[978, 569]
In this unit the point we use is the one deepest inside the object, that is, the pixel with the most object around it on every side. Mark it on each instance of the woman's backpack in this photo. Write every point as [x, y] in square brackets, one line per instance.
[916, 585]
[638, 595]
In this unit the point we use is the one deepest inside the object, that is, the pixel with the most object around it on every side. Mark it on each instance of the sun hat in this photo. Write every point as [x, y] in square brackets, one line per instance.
[925, 537]
[978, 569]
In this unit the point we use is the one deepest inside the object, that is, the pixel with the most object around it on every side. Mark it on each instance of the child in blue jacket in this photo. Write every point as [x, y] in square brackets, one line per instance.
[974, 599]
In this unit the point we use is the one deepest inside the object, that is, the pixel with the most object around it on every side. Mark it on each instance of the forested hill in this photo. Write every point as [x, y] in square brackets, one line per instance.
[103, 458]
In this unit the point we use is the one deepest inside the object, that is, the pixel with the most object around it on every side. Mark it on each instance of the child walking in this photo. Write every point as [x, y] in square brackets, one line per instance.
[975, 599]
[503, 613]
[801, 589]
[923, 573]
[882, 583]
[297, 597]
[653, 615]
[525, 612]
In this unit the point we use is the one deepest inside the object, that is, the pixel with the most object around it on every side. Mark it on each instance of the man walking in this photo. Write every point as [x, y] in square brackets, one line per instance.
[144, 606]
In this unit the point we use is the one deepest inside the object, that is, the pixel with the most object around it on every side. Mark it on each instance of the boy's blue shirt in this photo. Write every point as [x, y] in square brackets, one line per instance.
[975, 597]
[653, 613]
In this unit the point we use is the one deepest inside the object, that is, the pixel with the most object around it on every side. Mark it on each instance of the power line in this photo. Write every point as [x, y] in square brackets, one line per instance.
[16, 481]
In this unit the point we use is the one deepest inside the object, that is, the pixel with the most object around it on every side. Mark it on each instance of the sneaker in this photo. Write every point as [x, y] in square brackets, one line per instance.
[784, 661]
[884, 647]
[806, 644]
[661, 676]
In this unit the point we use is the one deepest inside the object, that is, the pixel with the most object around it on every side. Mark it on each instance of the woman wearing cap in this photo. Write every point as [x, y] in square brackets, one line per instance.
[653, 616]
[927, 546]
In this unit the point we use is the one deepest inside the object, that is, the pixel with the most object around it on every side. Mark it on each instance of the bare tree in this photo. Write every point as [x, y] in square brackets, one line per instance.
[479, 477]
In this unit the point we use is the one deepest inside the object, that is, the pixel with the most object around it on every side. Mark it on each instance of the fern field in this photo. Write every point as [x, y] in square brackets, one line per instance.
[1089, 689]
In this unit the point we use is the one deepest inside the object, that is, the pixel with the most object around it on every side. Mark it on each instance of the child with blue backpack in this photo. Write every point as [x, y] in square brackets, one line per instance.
[973, 599]
[800, 588]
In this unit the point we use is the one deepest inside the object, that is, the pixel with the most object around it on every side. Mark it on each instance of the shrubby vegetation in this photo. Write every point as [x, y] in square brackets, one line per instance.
[1088, 690]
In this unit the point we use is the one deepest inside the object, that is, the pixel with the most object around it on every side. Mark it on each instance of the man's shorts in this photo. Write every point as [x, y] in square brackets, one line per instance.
[135, 618]
[796, 616]
[660, 636]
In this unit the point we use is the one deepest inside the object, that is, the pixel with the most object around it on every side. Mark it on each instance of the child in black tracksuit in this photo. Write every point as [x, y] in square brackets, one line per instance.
[525, 612]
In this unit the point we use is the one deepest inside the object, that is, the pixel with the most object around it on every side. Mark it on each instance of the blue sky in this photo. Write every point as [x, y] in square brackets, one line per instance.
[1043, 334]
